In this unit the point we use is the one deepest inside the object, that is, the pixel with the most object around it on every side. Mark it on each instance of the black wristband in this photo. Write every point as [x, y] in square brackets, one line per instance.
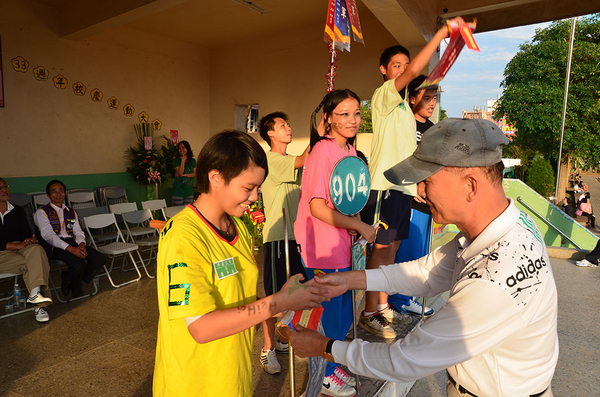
[329, 346]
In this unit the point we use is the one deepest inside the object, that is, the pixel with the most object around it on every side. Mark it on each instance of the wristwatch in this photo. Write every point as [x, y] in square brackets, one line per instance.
[327, 354]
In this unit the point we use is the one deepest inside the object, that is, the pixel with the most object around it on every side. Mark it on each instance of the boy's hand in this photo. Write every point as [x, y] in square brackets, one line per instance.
[457, 20]
[368, 232]
[296, 296]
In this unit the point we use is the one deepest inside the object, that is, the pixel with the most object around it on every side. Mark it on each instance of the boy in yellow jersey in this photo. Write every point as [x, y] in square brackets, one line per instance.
[207, 279]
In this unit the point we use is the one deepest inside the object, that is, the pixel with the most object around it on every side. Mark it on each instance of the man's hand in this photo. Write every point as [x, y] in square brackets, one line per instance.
[334, 283]
[296, 296]
[308, 343]
[420, 199]
[368, 232]
[77, 251]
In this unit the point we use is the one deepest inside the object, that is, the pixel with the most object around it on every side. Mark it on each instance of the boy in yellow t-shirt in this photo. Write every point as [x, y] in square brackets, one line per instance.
[394, 139]
[207, 278]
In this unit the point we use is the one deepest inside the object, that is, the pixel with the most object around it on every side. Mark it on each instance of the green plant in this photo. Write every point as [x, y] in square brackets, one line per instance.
[254, 219]
[168, 152]
[541, 177]
[146, 166]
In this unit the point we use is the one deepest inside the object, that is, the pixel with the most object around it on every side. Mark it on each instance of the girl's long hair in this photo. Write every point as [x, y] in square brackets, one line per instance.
[328, 104]
[189, 154]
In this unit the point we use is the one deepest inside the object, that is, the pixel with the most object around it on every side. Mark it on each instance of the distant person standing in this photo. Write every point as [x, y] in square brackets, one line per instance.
[185, 171]
[592, 259]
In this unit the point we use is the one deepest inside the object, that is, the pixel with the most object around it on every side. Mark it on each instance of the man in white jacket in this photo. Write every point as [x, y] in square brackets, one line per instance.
[496, 335]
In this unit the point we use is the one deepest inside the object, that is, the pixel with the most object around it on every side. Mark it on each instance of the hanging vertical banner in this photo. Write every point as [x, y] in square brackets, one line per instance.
[458, 37]
[342, 16]
[148, 142]
[174, 137]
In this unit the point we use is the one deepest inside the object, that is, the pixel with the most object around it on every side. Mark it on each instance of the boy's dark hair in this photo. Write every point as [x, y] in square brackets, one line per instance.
[52, 182]
[186, 144]
[267, 124]
[229, 152]
[329, 103]
[413, 85]
[388, 53]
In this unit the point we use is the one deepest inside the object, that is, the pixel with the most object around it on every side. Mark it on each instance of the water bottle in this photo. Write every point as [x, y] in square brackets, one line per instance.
[17, 294]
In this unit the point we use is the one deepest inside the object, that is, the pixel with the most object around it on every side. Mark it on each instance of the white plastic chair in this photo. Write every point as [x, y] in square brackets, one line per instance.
[141, 234]
[170, 212]
[119, 247]
[120, 208]
[100, 237]
[155, 205]
[115, 195]
[81, 199]
[17, 311]
[40, 199]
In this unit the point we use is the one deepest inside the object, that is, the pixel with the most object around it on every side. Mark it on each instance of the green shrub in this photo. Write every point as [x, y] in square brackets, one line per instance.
[541, 176]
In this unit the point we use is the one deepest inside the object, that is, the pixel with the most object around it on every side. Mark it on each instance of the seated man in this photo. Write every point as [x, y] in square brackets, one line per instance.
[62, 238]
[20, 253]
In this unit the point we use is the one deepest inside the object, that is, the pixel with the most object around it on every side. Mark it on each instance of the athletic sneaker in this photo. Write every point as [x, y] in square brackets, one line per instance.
[395, 316]
[345, 377]
[335, 387]
[585, 263]
[415, 307]
[282, 347]
[377, 324]
[41, 315]
[39, 300]
[268, 360]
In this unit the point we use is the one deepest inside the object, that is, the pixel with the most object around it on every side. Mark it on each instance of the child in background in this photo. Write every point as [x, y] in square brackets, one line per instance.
[207, 278]
[324, 235]
[394, 139]
[281, 189]
[422, 103]
[185, 171]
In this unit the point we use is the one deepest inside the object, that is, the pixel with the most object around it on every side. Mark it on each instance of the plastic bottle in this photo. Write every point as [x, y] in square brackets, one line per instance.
[17, 294]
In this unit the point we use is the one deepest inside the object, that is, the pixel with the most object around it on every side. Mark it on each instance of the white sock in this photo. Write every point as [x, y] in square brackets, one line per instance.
[381, 306]
[34, 290]
[367, 314]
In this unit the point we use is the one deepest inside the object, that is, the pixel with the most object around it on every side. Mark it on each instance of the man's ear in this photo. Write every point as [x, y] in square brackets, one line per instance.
[383, 70]
[471, 183]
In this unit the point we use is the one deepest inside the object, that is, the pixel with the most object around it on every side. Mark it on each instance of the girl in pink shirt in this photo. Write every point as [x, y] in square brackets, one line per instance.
[323, 234]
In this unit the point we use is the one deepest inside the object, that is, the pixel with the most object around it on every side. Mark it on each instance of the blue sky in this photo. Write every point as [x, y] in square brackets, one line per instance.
[475, 76]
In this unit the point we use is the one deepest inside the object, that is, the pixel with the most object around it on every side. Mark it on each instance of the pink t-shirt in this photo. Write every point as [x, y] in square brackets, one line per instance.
[322, 246]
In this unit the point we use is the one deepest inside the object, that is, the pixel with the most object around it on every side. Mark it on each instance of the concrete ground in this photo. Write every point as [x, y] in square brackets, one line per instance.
[105, 345]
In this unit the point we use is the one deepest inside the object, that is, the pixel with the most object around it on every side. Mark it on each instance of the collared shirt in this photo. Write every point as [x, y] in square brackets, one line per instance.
[48, 234]
[9, 208]
[496, 335]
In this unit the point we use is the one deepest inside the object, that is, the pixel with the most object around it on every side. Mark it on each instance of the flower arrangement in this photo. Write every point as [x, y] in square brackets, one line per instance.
[254, 219]
[146, 164]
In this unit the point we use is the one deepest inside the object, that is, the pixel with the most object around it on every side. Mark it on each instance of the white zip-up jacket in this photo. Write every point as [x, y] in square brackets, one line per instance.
[496, 335]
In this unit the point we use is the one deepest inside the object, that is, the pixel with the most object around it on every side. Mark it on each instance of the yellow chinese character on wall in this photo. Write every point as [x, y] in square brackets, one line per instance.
[113, 103]
[143, 116]
[40, 73]
[79, 88]
[128, 110]
[96, 95]
[156, 124]
[60, 81]
[20, 64]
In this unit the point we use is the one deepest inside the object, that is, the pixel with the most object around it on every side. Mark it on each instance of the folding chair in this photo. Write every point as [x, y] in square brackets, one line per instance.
[103, 236]
[59, 267]
[141, 234]
[17, 311]
[119, 208]
[119, 247]
[25, 201]
[115, 195]
[155, 205]
[40, 199]
[170, 212]
[81, 199]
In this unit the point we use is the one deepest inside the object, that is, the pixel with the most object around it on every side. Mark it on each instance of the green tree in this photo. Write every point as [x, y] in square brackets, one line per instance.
[443, 114]
[534, 82]
[366, 125]
[541, 177]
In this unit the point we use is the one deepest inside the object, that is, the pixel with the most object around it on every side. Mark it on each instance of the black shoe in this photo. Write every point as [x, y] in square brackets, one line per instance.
[66, 283]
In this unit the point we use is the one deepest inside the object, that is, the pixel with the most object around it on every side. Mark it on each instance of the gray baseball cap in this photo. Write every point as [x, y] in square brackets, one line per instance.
[452, 142]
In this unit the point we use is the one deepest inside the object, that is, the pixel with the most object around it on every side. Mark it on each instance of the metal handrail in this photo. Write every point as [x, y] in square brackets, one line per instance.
[547, 222]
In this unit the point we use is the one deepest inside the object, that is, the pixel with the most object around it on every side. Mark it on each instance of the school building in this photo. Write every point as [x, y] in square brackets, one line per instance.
[78, 74]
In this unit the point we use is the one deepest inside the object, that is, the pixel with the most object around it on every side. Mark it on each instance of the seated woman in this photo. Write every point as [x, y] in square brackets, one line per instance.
[587, 210]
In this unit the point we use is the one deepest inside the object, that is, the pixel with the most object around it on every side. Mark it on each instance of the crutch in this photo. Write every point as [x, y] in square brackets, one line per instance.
[287, 274]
